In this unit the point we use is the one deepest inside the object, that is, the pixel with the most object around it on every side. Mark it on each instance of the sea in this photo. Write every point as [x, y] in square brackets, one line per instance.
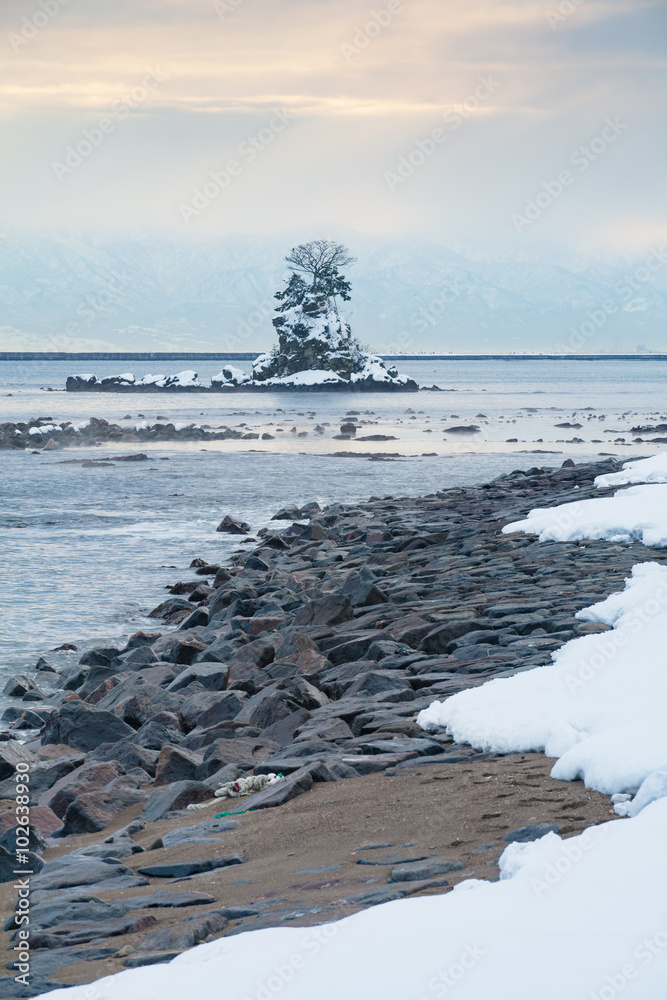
[87, 551]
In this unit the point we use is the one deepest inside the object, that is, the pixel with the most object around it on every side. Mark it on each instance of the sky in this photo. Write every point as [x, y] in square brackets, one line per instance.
[507, 125]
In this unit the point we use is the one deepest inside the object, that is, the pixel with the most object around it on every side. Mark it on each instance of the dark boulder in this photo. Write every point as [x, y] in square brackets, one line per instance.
[84, 728]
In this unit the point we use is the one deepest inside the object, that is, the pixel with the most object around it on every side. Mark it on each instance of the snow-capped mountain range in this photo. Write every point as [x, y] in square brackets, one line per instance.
[152, 294]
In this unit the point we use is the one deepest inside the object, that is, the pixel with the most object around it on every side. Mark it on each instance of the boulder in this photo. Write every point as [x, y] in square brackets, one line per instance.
[176, 764]
[245, 751]
[330, 610]
[93, 811]
[418, 870]
[74, 870]
[153, 735]
[83, 727]
[231, 526]
[206, 708]
[181, 869]
[81, 931]
[184, 935]
[212, 676]
[11, 754]
[127, 754]
[90, 777]
[173, 798]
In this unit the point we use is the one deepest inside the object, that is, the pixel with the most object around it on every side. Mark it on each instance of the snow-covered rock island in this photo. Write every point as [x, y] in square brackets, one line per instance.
[316, 350]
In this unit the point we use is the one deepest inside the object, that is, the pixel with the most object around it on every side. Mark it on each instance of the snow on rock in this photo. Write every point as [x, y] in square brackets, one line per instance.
[638, 513]
[600, 706]
[230, 376]
[313, 377]
[186, 378]
[644, 470]
[375, 368]
[44, 429]
[577, 918]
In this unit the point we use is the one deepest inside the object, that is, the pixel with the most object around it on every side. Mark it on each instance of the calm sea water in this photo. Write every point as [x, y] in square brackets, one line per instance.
[86, 552]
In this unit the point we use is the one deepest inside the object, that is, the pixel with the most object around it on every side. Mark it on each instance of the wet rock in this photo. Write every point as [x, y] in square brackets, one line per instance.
[287, 514]
[174, 797]
[18, 686]
[231, 526]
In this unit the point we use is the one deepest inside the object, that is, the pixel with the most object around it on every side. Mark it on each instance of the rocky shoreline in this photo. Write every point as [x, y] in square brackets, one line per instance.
[309, 657]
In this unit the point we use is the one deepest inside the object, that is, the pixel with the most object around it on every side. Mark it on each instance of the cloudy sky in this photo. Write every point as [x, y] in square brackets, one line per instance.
[439, 118]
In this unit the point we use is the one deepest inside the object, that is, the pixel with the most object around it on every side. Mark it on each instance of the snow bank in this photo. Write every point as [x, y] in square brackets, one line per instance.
[645, 470]
[600, 706]
[579, 918]
[636, 513]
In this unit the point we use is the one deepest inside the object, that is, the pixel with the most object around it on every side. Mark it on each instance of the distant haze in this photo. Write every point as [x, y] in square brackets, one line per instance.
[527, 135]
[408, 295]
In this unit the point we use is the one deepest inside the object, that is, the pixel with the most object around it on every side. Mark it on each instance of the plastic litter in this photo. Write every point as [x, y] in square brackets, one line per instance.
[242, 786]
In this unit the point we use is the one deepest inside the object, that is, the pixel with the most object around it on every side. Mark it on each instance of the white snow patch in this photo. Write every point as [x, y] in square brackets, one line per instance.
[600, 706]
[583, 917]
[636, 513]
[316, 376]
[645, 470]
[45, 429]
[230, 375]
